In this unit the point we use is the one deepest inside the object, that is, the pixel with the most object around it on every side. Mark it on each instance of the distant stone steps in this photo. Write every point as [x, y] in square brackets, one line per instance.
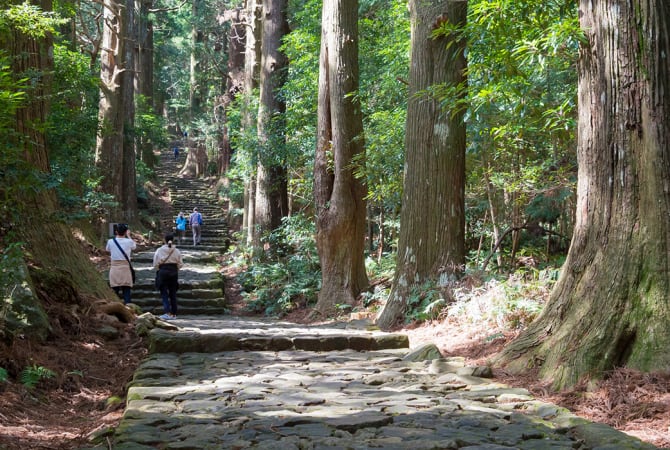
[201, 285]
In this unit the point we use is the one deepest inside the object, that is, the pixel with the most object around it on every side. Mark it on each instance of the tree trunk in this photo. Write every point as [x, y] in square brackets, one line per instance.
[271, 183]
[129, 199]
[431, 245]
[115, 159]
[252, 58]
[610, 306]
[196, 95]
[109, 146]
[144, 59]
[48, 247]
[195, 165]
[234, 85]
[339, 194]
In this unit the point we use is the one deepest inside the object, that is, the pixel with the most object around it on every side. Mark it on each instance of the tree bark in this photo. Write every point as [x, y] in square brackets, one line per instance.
[271, 182]
[144, 58]
[129, 199]
[114, 158]
[48, 246]
[609, 307]
[431, 244]
[252, 58]
[339, 194]
[234, 84]
[196, 91]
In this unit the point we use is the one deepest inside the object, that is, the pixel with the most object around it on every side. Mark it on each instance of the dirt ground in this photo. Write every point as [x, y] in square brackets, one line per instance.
[59, 413]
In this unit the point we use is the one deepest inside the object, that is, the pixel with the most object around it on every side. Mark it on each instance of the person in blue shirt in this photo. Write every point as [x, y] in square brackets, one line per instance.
[181, 221]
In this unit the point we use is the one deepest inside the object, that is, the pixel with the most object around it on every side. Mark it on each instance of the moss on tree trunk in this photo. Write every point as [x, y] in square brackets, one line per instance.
[610, 306]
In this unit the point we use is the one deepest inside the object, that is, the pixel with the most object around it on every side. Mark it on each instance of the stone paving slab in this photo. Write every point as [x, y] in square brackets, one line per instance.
[340, 400]
[210, 334]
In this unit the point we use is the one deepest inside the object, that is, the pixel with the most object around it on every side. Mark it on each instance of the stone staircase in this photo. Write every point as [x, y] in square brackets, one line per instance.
[200, 282]
[188, 193]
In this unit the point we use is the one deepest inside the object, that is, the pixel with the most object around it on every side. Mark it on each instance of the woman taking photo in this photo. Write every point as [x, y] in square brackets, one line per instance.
[121, 272]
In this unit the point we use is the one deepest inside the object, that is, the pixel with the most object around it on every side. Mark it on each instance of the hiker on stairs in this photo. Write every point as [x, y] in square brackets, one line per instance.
[195, 221]
[180, 223]
[167, 262]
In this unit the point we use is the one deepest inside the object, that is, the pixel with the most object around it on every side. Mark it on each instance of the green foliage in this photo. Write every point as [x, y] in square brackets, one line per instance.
[382, 268]
[522, 82]
[32, 375]
[149, 127]
[71, 132]
[29, 19]
[546, 207]
[292, 278]
[113, 401]
[16, 175]
[425, 302]
[3, 375]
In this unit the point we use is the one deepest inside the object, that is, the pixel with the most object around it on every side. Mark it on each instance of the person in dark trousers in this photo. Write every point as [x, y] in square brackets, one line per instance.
[167, 262]
[176, 153]
[195, 221]
[120, 248]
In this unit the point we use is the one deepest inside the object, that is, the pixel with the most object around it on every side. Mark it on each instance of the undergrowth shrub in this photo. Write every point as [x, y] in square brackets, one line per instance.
[32, 375]
[504, 304]
[292, 279]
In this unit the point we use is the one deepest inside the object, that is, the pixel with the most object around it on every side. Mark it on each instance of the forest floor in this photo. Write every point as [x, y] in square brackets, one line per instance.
[87, 393]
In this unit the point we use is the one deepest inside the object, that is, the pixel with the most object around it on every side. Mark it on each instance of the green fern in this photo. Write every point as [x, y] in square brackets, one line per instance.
[34, 374]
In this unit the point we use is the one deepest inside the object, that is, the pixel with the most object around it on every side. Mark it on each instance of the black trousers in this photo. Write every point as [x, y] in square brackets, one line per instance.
[169, 283]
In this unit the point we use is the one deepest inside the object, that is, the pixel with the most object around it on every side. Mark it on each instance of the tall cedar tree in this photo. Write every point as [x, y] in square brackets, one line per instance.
[234, 85]
[431, 245]
[252, 59]
[339, 194]
[144, 61]
[610, 306]
[57, 266]
[115, 156]
[271, 183]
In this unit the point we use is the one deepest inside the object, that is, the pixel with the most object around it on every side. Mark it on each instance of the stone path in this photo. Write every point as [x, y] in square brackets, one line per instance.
[296, 398]
[213, 381]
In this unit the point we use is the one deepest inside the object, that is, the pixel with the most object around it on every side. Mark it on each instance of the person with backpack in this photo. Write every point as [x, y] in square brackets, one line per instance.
[167, 262]
[181, 221]
[121, 272]
[195, 221]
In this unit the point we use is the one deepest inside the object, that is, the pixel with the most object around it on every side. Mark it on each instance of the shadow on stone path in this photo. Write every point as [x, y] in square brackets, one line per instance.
[249, 397]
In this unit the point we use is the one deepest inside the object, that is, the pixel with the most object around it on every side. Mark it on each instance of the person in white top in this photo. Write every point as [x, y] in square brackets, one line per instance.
[120, 274]
[167, 262]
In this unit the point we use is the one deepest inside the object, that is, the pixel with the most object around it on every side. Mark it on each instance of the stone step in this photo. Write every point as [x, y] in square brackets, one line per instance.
[183, 293]
[186, 306]
[195, 256]
[220, 334]
[157, 309]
